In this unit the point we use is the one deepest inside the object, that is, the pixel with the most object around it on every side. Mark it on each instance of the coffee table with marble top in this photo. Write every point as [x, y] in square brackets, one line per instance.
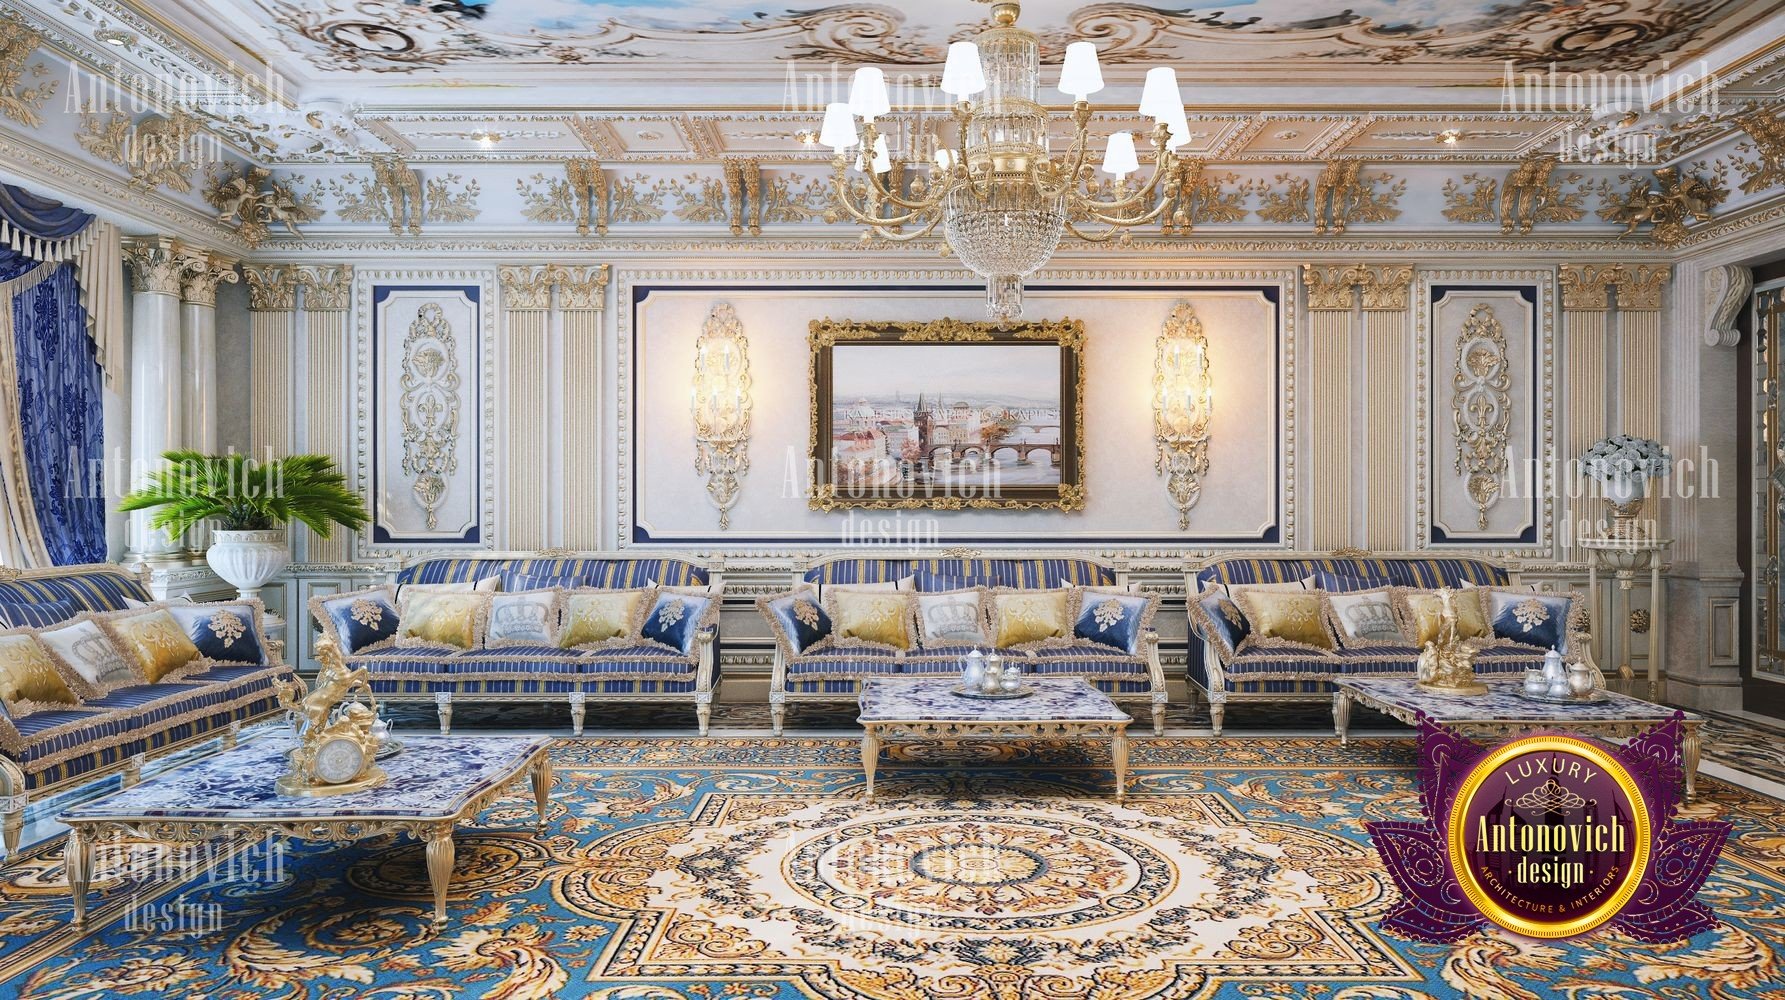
[1503, 712]
[435, 784]
[926, 708]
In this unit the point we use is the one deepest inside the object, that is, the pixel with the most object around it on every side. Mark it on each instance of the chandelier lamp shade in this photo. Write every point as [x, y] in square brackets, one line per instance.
[1002, 200]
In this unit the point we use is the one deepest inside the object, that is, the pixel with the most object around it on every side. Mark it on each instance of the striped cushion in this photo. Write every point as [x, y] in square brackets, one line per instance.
[854, 662]
[1413, 571]
[155, 704]
[611, 574]
[1031, 574]
[41, 615]
[93, 725]
[98, 590]
[1091, 665]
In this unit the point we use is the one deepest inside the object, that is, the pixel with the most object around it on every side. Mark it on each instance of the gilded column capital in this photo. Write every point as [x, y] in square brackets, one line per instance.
[1587, 287]
[201, 274]
[1639, 287]
[582, 289]
[1385, 287]
[526, 287]
[271, 287]
[327, 288]
[1329, 287]
[157, 264]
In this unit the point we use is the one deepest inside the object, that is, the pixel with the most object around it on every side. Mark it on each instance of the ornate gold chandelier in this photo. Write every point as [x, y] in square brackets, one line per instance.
[1002, 201]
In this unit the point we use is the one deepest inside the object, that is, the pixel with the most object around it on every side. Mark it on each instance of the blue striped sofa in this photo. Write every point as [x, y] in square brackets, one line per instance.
[835, 675]
[643, 673]
[1286, 676]
[119, 732]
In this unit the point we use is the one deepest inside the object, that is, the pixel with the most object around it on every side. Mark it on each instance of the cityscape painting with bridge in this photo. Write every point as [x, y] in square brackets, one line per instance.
[934, 416]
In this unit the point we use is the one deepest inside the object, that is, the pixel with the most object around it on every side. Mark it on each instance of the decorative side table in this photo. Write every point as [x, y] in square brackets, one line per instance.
[1624, 558]
[437, 783]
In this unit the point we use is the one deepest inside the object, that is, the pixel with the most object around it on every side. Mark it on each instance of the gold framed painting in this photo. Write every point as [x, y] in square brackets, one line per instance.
[947, 415]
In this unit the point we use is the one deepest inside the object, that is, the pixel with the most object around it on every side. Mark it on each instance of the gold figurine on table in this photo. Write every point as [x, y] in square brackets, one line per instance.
[1447, 663]
[336, 747]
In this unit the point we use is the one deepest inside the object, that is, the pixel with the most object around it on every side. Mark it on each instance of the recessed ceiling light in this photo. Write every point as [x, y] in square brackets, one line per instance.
[806, 136]
[112, 36]
[1450, 136]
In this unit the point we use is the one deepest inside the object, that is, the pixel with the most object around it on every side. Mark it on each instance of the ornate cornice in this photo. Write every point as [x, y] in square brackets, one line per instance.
[201, 273]
[157, 264]
[1586, 287]
[328, 288]
[271, 287]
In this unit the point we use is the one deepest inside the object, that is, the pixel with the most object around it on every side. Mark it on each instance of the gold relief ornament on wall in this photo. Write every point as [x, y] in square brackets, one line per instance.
[429, 406]
[252, 202]
[1344, 194]
[19, 100]
[720, 401]
[1670, 205]
[1532, 194]
[155, 150]
[1481, 409]
[1183, 404]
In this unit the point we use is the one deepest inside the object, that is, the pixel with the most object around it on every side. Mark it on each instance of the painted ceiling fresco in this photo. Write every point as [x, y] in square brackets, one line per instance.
[400, 36]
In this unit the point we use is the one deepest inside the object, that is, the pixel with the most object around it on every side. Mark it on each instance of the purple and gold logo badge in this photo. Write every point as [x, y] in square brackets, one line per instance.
[1549, 836]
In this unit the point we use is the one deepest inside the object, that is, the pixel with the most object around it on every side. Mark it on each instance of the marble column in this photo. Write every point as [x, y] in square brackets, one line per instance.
[272, 332]
[582, 292]
[157, 405]
[198, 358]
[328, 374]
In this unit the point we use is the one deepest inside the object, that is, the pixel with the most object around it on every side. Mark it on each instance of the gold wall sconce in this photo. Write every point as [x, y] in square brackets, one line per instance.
[1183, 403]
[720, 401]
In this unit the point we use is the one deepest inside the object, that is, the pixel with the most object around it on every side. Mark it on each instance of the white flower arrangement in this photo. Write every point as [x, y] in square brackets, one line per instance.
[1623, 456]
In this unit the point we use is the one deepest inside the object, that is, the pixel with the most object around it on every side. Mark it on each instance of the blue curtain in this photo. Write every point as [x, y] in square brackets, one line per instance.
[61, 415]
[40, 217]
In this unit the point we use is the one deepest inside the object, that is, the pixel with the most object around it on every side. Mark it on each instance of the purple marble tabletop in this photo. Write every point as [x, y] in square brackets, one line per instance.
[433, 777]
[1503, 701]
[931, 699]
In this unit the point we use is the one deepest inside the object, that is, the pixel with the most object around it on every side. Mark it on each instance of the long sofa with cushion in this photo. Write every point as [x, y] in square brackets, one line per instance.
[535, 628]
[95, 679]
[1282, 628]
[846, 619]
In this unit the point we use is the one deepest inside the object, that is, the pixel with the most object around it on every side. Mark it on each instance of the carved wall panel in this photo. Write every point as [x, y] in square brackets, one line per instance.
[425, 368]
[1485, 422]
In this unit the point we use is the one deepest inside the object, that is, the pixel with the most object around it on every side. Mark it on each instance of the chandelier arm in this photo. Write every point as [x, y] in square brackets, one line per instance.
[1140, 195]
[1103, 237]
[869, 137]
[918, 204]
[876, 222]
[843, 200]
[1129, 221]
[928, 228]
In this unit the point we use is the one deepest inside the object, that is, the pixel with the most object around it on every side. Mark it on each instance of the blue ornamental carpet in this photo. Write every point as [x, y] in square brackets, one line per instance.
[737, 868]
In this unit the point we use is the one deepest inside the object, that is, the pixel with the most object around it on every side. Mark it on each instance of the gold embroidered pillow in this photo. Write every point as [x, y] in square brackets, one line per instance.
[1024, 616]
[153, 641]
[881, 617]
[1289, 616]
[1421, 614]
[441, 618]
[29, 681]
[599, 616]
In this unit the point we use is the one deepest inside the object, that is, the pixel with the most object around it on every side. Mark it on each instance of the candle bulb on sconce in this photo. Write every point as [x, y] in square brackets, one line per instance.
[720, 400]
[1183, 404]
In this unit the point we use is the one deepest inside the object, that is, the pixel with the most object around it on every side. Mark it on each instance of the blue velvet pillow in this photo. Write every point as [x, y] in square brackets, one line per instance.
[798, 618]
[1529, 618]
[228, 632]
[677, 618]
[1222, 620]
[1345, 583]
[1114, 620]
[37, 614]
[360, 618]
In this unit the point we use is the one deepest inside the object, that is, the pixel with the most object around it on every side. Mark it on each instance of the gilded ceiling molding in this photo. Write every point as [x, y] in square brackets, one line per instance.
[1476, 203]
[1481, 408]
[19, 101]
[1669, 206]
[1586, 287]
[1344, 194]
[1200, 195]
[545, 199]
[1639, 287]
[1385, 287]
[327, 288]
[1531, 194]
[202, 272]
[1726, 290]
[271, 287]
[154, 149]
[1329, 287]
[157, 264]
[588, 185]
[252, 202]
[1765, 129]
[582, 288]
[525, 287]
[398, 191]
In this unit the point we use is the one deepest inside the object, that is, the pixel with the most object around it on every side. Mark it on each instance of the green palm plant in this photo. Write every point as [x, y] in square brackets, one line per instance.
[245, 495]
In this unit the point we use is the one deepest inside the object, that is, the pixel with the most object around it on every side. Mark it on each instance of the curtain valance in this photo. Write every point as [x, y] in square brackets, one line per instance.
[50, 232]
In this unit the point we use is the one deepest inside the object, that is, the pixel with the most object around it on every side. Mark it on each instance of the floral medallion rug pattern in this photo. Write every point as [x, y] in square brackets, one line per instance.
[703, 869]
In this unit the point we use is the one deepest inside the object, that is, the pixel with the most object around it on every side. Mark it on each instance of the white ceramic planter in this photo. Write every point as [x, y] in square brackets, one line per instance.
[1620, 490]
[248, 559]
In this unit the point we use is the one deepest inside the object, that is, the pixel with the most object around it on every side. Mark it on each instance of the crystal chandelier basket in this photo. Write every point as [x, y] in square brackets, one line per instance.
[1002, 200]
